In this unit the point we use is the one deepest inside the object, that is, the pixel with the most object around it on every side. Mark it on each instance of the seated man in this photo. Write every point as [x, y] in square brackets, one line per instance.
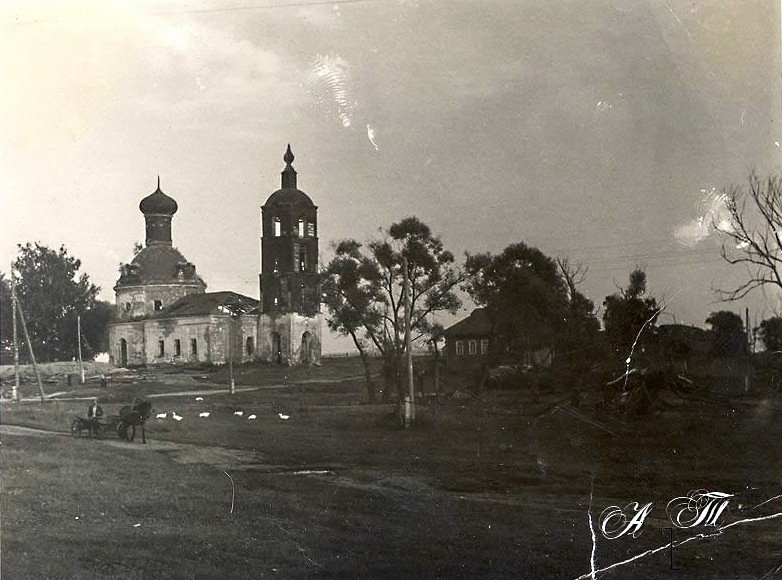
[93, 414]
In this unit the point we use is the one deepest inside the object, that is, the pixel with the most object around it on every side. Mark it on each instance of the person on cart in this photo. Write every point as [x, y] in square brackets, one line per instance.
[94, 413]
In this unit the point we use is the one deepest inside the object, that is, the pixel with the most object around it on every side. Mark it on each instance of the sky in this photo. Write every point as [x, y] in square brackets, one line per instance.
[600, 131]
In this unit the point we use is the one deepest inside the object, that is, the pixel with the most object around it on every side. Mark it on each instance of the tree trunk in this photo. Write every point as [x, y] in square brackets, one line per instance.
[367, 370]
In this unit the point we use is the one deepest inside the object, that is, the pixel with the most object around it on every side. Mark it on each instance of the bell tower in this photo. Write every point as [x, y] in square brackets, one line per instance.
[289, 248]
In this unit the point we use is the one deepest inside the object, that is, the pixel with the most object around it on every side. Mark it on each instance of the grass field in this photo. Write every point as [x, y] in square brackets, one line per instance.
[480, 487]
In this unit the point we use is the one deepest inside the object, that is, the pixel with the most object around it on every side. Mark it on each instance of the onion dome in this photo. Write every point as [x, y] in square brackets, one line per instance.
[158, 203]
[289, 195]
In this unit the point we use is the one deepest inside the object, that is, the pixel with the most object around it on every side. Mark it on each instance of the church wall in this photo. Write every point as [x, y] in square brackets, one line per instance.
[248, 329]
[210, 334]
[133, 335]
[290, 328]
[142, 298]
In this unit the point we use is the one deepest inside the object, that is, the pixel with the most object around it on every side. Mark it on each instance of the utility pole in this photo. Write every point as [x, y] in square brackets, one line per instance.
[15, 389]
[232, 384]
[410, 400]
[747, 377]
[81, 364]
[32, 354]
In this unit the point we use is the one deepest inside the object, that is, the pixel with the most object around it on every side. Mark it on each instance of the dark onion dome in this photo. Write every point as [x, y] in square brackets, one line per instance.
[288, 195]
[158, 203]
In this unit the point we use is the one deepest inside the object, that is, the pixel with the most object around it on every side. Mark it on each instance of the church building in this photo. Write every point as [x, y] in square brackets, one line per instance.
[165, 315]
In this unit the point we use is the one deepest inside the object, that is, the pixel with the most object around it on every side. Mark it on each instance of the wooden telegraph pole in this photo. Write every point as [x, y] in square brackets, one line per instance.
[15, 389]
[32, 354]
[81, 364]
[232, 384]
[410, 400]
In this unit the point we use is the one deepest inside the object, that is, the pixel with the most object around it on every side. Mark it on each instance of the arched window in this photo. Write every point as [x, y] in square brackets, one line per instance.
[303, 259]
[277, 227]
[302, 227]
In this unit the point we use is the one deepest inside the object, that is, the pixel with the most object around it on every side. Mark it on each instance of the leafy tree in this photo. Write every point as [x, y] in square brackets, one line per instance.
[729, 338]
[770, 332]
[364, 291]
[351, 292]
[6, 320]
[629, 317]
[52, 294]
[95, 328]
[525, 297]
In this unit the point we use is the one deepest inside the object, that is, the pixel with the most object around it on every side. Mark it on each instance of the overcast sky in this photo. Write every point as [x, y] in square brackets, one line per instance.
[591, 129]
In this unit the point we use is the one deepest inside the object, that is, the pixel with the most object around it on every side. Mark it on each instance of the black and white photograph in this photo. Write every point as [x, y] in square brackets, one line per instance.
[390, 289]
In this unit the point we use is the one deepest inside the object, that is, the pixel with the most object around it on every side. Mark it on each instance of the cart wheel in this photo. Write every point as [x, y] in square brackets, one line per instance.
[121, 430]
[76, 428]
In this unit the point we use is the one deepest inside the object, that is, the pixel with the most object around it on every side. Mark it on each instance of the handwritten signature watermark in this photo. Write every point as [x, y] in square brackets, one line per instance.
[698, 508]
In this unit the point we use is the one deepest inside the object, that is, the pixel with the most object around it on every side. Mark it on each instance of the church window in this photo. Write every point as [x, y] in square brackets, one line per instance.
[295, 257]
[303, 258]
[276, 266]
[459, 348]
[277, 227]
[302, 227]
[158, 305]
[177, 347]
[310, 229]
[193, 347]
[127, 306]
[161, 348]
[473, 346]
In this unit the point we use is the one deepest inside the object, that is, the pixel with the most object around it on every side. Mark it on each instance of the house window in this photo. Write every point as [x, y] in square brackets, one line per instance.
[250, 345]
[311, 229]
[277, 227]
[459, 348]
[193, 347]
[295, 257]
[473, 346]
[484, 346]
[276, 266]
[177, 347]
[161, 348]
[127, 306]
[302, 227]
[158, 305]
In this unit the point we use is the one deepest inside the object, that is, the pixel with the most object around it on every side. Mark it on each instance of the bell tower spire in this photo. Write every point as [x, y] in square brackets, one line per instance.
[289, 173]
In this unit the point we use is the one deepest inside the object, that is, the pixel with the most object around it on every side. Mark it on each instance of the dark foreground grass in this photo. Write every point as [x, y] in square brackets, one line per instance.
[480, 488]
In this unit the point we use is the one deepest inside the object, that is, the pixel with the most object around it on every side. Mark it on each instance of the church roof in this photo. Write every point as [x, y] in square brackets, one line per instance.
[289, 195]
[159, 264]
[476, 324]
[209, 304]
[158, 203]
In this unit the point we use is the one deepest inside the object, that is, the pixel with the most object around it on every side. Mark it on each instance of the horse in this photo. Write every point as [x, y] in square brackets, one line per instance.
[132, 416]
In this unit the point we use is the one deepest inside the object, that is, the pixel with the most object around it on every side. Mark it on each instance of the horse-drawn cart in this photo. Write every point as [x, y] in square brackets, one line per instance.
[94, 426]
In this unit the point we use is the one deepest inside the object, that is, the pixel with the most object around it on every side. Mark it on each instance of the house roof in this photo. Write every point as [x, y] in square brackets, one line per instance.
[476, 324]
[209, 303]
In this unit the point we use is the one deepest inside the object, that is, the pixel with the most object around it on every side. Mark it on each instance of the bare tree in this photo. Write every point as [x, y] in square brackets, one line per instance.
[572, 274]
[752, 233]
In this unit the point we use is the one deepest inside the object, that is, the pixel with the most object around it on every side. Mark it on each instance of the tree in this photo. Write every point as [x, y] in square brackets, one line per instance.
[770, 332]
[629, 317]
[95, 328]
[752, 233]
[525, 297]
[580, 340]
[351, 292]
[729, 338]
[364, 291]
[52, 294]
[6, 320]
